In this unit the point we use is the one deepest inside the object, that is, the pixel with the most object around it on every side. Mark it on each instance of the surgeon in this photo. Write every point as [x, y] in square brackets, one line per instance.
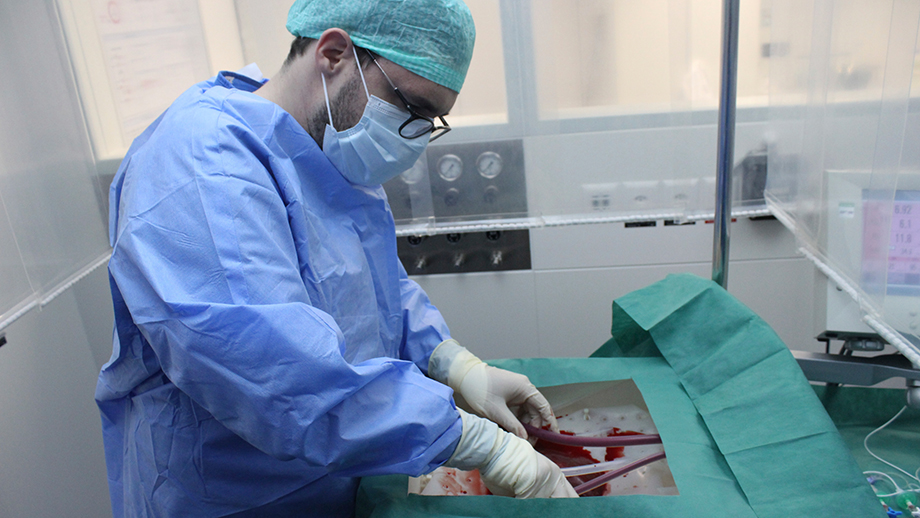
[269, 349]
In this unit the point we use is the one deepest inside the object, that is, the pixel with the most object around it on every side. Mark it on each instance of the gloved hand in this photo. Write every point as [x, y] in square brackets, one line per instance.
[508, 465]
[502, 396]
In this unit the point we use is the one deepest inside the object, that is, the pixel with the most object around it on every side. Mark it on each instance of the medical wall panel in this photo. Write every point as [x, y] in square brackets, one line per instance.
[47, 177]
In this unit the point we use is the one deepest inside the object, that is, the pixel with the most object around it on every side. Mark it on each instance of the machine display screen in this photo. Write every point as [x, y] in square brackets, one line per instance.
[898, 245]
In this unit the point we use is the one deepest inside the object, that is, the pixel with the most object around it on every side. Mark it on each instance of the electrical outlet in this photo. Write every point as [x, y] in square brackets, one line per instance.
[599, 197]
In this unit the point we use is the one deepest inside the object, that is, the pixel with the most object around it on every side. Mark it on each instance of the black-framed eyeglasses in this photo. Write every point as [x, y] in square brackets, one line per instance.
[418, 130]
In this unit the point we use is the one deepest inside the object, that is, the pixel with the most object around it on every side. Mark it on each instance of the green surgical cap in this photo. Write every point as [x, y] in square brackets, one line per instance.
[432, 38]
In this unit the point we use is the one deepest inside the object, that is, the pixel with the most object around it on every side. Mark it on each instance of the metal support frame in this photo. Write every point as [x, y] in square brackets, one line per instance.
[726, 151]
[861, 370]
[854, 370]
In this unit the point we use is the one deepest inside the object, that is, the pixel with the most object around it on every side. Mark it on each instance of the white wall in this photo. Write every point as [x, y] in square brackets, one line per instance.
[51, 454]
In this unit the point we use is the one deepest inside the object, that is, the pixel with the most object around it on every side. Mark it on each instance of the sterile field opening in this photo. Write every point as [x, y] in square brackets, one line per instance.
[608, 445]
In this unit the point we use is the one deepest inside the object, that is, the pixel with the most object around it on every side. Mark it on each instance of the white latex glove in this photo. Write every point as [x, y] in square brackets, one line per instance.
[502, 396]
[508, 465]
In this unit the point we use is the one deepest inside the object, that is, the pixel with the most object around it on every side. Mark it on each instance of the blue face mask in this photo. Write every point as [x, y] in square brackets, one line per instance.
[373, 151]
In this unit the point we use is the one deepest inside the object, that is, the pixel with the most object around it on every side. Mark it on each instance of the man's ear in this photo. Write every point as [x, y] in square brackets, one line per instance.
[333, 51]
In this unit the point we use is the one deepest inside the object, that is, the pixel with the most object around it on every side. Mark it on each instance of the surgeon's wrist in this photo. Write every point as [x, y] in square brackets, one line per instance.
[478, 443]
[463, 362]
[450, 362]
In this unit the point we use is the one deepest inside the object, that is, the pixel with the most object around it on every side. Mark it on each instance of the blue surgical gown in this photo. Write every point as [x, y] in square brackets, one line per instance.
[269, 348]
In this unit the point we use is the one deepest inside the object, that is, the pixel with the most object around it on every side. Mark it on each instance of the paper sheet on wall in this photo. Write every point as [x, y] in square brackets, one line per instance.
[153, 52]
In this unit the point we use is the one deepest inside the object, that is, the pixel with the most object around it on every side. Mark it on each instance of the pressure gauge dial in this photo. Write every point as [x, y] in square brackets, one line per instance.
[489, 164]
[450, 167]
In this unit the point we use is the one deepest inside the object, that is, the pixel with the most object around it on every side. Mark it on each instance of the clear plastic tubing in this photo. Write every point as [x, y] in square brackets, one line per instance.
[573, 440]
[588, 469]
[607, 477]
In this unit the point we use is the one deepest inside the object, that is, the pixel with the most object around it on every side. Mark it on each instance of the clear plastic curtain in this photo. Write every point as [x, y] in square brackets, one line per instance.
[844, 166]
[52, 212]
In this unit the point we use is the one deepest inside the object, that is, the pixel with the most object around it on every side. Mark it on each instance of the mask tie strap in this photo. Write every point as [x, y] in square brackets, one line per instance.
[358, 62]
[326, 94]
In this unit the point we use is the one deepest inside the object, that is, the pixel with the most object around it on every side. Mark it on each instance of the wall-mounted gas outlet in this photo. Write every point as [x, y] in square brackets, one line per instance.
[681, 194]
[643, 195]
[490, 251]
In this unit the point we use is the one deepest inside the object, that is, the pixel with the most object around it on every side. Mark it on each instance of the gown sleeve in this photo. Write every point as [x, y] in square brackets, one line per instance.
[207, 265]
[424, 327]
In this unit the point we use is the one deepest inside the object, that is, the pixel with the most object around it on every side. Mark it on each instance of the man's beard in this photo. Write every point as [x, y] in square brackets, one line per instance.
[344, 111]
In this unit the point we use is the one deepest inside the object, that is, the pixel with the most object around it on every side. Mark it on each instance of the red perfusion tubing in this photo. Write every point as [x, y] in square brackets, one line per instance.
[572, 440]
